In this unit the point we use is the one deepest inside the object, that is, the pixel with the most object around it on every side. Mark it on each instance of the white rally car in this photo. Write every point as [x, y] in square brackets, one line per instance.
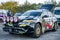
[32, 21]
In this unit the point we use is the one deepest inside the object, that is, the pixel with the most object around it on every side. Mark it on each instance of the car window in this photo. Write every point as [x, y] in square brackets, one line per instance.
[31, 14]
[57, 12]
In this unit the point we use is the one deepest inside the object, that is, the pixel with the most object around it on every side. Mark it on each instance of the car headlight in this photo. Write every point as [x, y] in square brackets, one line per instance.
[27, 23]
[31, 24]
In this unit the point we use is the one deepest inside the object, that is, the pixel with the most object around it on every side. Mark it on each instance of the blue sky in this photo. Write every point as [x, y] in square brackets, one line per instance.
[31, 1]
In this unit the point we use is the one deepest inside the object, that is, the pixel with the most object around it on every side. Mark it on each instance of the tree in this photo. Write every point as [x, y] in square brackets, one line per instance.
[9, 5]
[58, 5]
[13, 6]
[54, 2]
[26, 6]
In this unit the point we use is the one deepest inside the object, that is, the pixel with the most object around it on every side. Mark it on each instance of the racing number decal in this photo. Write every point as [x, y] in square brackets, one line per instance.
[46, 23]
[48, 26]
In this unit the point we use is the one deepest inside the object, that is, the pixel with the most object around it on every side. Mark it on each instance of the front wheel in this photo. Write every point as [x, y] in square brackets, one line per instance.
[37, 31]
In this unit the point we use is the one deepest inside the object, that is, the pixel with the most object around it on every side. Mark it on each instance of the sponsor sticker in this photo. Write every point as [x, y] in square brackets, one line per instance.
[27, 20]
[22, 25]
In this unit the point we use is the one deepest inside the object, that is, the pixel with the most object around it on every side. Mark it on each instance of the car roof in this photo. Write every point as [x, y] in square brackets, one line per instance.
[3, 11]
[47, 6]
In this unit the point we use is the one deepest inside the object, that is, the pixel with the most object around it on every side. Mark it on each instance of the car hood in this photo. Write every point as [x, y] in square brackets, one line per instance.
[27, 17]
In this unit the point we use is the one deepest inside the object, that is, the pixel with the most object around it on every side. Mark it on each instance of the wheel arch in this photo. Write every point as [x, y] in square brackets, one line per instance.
[40, 24]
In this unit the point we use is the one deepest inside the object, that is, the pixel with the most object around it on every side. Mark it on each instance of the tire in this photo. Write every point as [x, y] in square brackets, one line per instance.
[37, 31]
[55, 26]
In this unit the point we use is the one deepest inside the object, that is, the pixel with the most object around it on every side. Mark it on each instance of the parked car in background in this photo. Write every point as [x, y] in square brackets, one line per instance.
[47, 6]
[32, 21]
[17, 14]
[57, 14]
[4, 13]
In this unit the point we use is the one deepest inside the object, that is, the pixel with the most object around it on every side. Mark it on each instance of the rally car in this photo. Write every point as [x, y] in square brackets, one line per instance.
[32, 21]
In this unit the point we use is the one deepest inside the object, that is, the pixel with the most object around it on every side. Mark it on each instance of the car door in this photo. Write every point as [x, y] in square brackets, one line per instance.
[51, 19]
[46, 20]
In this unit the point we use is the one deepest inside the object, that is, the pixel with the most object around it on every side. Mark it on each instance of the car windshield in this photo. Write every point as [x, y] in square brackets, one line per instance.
[31, 14]
[57, 12]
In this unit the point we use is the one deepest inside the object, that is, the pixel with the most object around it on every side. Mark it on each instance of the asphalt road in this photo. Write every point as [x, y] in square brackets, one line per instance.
[50, 35]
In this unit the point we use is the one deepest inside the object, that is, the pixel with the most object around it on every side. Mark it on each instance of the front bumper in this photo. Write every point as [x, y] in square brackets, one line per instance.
[18, 30]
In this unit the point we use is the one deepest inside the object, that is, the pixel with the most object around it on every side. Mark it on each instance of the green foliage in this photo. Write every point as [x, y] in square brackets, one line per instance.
[9, 5]
[13, 6]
